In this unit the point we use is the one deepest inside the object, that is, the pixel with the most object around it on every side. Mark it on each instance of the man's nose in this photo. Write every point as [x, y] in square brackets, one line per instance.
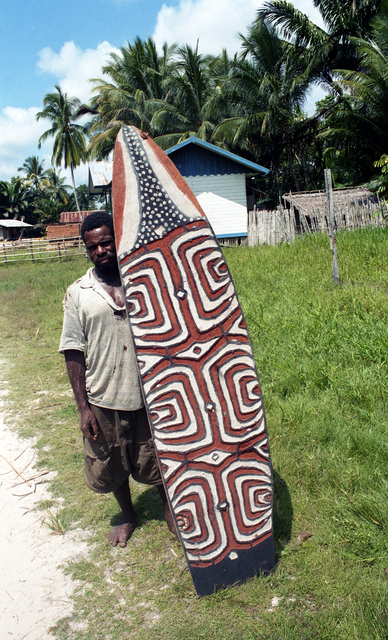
[100, 249]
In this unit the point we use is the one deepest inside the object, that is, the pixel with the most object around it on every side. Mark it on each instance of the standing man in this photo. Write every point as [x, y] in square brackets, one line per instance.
[102, 369]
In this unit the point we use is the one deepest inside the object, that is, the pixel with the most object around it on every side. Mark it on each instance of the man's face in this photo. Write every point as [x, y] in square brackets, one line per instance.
[100, 245]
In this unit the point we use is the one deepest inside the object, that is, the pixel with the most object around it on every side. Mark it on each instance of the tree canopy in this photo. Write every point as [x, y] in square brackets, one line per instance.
[69, 146]
[252, 104]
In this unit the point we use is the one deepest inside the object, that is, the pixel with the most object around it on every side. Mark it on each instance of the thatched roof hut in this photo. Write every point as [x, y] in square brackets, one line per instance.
[353, 207]
[308, 201]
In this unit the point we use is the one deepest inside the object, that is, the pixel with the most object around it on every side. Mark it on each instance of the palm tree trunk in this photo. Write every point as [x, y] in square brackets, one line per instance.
[293, 170]
[75, 192]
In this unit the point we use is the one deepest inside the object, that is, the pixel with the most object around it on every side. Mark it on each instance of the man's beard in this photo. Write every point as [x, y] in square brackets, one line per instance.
[108, 269]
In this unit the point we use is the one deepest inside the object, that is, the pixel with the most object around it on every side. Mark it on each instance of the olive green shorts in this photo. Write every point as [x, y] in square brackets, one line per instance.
[124, 447]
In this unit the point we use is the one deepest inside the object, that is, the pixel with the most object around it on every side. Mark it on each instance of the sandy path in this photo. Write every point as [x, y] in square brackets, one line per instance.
[34, 593]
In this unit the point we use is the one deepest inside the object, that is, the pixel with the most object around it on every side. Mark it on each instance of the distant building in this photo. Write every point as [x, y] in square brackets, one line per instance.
[100, 181]
[11, 229]
[69, 225]
[73, 216]
[218, 179]
[351, 206]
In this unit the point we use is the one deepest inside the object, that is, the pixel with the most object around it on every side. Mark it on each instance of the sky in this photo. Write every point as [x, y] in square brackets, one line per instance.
[46, 43]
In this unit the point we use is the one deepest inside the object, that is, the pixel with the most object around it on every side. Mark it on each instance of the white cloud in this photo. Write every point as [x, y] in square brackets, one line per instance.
[307, 7]
[19, 129]
[215, 23]
[74, 67]
[19, 133]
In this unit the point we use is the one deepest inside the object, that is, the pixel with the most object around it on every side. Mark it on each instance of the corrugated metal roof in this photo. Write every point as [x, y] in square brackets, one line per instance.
[100, 176]
[13, 224]
[253, 166]
[73, 216]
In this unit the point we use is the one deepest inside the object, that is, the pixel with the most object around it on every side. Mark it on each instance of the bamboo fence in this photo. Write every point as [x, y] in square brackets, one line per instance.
[284, 225]
[40, 249]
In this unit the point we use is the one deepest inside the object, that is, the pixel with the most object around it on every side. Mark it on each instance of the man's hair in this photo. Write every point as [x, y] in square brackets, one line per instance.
[96, 220]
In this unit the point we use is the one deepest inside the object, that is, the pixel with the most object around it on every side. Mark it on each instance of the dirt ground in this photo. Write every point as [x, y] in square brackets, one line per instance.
[34, 592]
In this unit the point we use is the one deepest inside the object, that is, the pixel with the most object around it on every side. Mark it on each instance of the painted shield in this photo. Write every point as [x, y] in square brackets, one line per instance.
[197, 369]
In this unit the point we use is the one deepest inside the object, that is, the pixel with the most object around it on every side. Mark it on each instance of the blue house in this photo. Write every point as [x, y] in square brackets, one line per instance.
[218, 180]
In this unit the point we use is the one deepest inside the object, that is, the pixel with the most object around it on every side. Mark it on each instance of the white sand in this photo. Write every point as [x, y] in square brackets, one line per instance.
[34, 592]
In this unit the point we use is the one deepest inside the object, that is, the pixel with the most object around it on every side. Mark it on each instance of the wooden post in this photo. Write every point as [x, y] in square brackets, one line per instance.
[282, 224]
[252, 228]
[333, 239]
[5, 253]
[32, 252]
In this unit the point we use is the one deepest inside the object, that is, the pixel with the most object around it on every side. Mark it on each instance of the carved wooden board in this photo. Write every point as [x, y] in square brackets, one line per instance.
[197, 369]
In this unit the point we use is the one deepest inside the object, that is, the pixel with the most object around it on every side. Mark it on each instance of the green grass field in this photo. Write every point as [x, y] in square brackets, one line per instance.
[321, 354]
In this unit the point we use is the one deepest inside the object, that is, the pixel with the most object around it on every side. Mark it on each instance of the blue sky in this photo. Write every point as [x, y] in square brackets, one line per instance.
[46, 43]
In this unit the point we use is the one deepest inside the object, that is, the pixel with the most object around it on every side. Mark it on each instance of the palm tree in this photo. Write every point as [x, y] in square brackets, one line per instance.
[346, 139]
[368, 92]
[69, 138]
[48, 210]
[266, 90]
[135, 91]
[343, 142]
[36, 175]
[49, 203]
[57, 188]
[324, 49]
[193, 105]
[16, 199]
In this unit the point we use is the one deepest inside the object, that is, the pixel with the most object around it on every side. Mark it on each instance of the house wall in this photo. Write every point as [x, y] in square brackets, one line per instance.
[223, 199]
[72, 229]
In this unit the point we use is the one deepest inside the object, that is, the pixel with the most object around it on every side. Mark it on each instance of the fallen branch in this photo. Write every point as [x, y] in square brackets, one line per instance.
[38, 475]
[47, 406]
[38, 357]
[15, 470]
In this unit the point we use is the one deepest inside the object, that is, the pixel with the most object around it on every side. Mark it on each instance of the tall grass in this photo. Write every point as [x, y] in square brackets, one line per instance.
[321, 354]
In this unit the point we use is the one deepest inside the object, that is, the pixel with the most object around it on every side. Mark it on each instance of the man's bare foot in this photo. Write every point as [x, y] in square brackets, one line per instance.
[120, 534]
[170, 521]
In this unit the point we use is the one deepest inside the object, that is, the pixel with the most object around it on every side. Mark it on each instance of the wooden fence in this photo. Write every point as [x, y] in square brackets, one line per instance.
[39, 249]
[284, 225]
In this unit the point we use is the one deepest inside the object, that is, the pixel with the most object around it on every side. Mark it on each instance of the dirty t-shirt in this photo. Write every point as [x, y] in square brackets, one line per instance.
[94, 324]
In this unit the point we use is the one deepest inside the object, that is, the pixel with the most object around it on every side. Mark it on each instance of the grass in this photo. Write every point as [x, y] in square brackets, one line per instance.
[53, 522]
[321, 353]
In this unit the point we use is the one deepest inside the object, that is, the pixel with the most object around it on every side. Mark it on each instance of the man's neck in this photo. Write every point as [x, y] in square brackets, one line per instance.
[110, 277]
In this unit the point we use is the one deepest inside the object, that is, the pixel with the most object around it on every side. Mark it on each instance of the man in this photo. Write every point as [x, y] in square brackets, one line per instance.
[101, 365]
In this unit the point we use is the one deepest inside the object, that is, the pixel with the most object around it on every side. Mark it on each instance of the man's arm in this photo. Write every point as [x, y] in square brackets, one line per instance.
[75, 365]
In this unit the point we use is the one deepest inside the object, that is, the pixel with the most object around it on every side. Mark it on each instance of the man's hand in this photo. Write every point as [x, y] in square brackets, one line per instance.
[88, 424]
[75, 364]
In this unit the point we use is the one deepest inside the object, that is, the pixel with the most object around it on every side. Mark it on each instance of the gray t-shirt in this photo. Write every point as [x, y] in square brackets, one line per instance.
[94, 324]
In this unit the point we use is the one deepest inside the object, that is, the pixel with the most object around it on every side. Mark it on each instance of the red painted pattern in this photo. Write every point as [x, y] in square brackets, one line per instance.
[220, 388]
[198, 375]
